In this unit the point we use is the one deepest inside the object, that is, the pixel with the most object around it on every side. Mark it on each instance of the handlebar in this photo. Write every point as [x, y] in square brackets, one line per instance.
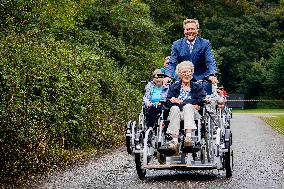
[144, 82]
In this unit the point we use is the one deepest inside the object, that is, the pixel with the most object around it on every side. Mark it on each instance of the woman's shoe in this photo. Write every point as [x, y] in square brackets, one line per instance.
[188, 142]
[174, 147]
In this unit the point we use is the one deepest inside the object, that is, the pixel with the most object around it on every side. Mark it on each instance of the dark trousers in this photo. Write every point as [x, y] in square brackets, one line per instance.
[152, 115]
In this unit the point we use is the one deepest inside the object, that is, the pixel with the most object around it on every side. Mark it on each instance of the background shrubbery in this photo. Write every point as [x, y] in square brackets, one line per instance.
[57, 96]
[70, 70]
[68, 80]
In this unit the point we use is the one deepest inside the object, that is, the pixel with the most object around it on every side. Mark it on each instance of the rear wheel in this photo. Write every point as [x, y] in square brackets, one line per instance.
[141, 171]
[228, 157]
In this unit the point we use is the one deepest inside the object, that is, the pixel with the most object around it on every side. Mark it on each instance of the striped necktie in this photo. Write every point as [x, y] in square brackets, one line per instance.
[190, 47]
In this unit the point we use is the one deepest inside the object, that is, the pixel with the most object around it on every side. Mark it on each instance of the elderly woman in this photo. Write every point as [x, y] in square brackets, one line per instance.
[154, 95]
[183, 99]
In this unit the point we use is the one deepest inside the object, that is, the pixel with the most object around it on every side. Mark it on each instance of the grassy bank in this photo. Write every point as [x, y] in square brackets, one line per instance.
[276, 122]
[258, 111]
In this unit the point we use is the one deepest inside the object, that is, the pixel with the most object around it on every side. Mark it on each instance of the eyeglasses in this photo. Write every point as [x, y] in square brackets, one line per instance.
[157, 77]
[186, 72]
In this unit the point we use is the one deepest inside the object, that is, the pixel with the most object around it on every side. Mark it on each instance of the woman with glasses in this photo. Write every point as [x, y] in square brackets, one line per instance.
[154, 95]
[184, 99]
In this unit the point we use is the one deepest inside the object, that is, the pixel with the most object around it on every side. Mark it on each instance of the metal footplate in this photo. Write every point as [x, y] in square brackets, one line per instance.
[174, 162]
[181, 166]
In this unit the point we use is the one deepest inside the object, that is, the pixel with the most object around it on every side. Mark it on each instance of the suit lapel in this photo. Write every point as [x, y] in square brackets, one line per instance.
[196, 47]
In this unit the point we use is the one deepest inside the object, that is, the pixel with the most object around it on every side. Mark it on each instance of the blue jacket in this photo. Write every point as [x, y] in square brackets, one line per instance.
[148, 93]
[174, 75]
[197, 92]
[201, 57]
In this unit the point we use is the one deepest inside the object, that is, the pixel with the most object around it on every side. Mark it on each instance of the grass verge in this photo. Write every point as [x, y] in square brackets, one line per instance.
[276, 122]
[258, 111]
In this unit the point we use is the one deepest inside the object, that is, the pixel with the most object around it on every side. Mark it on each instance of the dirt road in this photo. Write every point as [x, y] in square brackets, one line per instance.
[258, 163]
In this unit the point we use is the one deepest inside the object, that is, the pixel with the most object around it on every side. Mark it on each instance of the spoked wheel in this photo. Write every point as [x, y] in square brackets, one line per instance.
[146, 156]
[141, 171]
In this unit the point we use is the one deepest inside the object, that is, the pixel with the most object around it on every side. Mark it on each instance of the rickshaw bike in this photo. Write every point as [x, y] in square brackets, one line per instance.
[212, 141]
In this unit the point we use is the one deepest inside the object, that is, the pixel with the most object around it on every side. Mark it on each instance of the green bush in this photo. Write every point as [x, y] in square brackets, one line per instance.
[56, 96]
[68, 88]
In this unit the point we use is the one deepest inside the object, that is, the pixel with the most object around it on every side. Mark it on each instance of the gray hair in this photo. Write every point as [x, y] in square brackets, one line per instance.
[156, 71]
[184, 64]
[191, 21]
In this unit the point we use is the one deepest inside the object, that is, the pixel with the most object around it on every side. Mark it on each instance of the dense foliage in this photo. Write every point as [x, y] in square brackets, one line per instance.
[69, 79]
[70, 70]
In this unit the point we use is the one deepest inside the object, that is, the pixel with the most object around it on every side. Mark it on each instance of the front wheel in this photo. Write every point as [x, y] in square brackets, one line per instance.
[228, 157]
[228, 163]
[141, 171]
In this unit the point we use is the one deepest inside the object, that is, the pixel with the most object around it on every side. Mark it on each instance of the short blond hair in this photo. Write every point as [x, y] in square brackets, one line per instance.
[191, 21]
[184, 64]
[167, 58]
[155, 72]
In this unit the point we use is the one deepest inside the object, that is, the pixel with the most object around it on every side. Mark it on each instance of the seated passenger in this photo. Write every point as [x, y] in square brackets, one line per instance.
[183, 99]
[155, 93]
[166, 63]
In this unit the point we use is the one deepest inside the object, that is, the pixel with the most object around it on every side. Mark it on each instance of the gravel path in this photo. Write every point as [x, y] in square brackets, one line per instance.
[258, 163]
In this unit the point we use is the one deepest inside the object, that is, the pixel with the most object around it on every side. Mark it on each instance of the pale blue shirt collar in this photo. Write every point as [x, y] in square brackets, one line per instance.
[191, 42]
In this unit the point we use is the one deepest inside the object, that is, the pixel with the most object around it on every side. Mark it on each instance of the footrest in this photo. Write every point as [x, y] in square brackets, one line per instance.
[192, 149]
[166, 151]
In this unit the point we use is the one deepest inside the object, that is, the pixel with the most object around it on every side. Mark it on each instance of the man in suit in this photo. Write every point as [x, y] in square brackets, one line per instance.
[195, 49]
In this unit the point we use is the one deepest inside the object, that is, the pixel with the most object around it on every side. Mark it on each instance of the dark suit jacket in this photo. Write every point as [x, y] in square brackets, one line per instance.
[201, 57]
[197, 92]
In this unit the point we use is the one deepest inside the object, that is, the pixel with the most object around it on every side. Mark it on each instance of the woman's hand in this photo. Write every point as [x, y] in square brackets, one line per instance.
[150, 104]
[175, 100]
[166, 81]
[196, 107]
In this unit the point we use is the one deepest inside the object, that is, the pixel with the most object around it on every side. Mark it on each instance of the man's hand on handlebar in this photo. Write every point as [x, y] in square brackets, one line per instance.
[207, 100]
[213, 79]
